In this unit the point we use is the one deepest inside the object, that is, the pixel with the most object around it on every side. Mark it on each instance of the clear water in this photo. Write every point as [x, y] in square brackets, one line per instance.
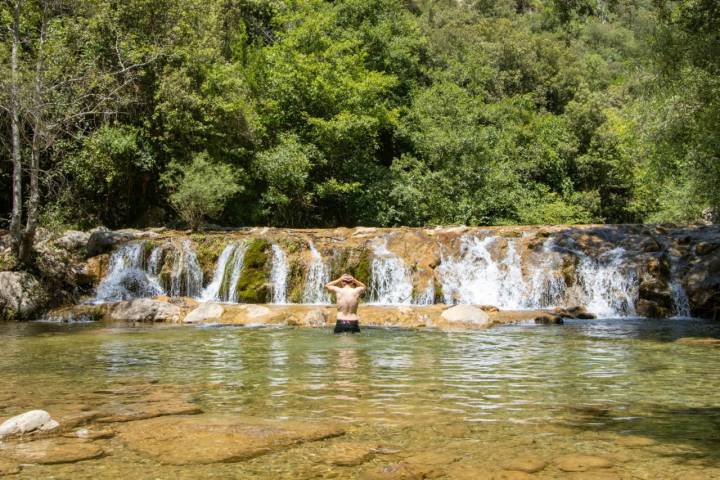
[476, 399]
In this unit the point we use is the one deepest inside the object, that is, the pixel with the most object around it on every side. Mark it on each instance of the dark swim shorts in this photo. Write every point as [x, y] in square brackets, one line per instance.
[347, 326]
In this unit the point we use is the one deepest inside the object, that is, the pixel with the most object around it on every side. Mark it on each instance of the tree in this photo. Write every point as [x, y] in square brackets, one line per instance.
[58, 87]
[201, 189]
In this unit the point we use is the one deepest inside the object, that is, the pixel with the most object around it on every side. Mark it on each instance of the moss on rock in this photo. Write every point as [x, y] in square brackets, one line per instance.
[252, 285]
[208, 248]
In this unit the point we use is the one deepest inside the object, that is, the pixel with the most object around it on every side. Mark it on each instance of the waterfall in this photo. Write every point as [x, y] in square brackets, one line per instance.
[212, 291]
[228, 270]
[427, 296]
[278, 275]
[547, 287]
[187, 276]
[475, 277]
[126, 277]
[609, 284]
[391, 281]
[317, 276]
[681, 302]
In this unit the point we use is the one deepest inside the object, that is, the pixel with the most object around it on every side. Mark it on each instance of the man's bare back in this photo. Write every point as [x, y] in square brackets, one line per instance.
[347, 290]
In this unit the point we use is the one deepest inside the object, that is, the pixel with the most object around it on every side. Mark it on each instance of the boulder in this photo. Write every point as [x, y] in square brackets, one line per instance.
[315, 318]
[254, 312]
[465, 314]
[652, 309]
[73, 240]
[549, 320]
[90, 273]
[704, 248]
[215, 439]
[205, 312]
[103, 240]
[145, 310]
[28, 422]
[21, 295]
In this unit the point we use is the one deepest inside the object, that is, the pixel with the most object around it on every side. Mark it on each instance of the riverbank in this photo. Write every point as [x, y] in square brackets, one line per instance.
[611, 270]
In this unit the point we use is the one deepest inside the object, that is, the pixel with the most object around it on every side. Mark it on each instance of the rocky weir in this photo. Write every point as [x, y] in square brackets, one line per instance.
[267, 275]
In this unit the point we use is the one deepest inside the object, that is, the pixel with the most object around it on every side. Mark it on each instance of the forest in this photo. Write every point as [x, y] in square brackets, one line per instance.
[309, 113]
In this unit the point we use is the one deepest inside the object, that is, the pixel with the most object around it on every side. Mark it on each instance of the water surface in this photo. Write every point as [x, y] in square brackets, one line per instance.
[479, 398]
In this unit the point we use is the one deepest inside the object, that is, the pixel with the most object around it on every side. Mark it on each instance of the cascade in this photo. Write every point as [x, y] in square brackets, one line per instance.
[317, 276]
[126, 277]
[427, 296]
[681, 302]
[279, 275]
[212, 291]
[547, 287]
[187, 276]
[391, 280]
[609, 284]
[475, 277]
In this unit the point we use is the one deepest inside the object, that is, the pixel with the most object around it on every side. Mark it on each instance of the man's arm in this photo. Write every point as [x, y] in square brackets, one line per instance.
[359, 284]
[332, 286]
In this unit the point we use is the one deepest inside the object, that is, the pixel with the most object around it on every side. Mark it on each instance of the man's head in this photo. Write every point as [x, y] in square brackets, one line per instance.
[346, 280]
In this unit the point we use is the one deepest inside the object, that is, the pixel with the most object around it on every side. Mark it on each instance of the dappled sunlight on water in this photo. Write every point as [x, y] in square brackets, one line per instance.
[441, 405]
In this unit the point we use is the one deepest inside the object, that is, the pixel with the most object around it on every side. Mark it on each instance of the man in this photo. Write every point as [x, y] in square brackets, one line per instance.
[347, 291]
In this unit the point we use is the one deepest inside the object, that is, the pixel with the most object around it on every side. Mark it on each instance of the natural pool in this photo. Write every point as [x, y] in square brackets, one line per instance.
[394, 403]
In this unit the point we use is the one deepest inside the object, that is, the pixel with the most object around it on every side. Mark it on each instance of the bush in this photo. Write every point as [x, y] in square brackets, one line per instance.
[202, 189]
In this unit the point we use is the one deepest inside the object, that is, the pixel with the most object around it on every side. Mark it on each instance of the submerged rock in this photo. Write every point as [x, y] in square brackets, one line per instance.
[218, 439]
[525, 463]
[581, 463]
[54, 450]
[549, 320]
[21, 295]
[145, 310]
[466, 314]
[703, 341]
[28, 422]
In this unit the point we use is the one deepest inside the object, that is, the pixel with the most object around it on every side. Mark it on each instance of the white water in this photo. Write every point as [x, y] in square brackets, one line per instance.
[546, 287]
[609, 284]
[126, 277]
[391, 280]
[317, 276]
[427, 296]
[681, 302]
[212, 291]
[475, 277]
[279, 275]
[187, 276]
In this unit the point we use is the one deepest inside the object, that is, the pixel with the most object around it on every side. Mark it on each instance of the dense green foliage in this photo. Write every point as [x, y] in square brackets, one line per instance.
[375, 112]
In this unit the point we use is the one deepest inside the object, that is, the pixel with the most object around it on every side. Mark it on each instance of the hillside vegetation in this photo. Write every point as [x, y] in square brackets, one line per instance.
[372, 112]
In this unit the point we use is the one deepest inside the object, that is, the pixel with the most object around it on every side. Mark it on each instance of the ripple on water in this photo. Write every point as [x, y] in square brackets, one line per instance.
[560, 390]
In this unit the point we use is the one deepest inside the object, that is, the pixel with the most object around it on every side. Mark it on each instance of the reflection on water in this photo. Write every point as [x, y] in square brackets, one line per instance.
[550, 390]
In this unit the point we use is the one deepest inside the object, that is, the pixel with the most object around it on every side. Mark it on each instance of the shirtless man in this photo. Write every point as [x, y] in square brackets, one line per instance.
[347, 291]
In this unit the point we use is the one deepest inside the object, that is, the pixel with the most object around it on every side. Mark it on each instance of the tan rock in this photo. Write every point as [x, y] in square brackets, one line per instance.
[595, 475]
[214, 439]
[525, 463]
[8, 467]
[581, 463]
[466, 314]
[88, 434]
[393, 471]
[142, 411]
[347, 453]
[205, 312]
[699, 341]
[635, 441]
[54, 450]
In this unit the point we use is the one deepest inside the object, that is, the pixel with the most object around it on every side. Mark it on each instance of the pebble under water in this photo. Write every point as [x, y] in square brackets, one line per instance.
[605, 399]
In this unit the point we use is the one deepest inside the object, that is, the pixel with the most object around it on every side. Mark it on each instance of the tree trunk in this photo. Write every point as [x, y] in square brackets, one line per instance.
[26, 247]
[16, 219]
